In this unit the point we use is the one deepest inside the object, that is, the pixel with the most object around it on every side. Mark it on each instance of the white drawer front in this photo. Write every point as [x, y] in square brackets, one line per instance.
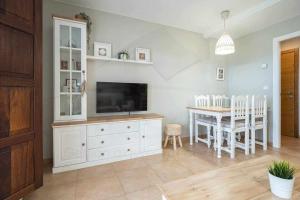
[123, 150]
[110, 128]
[104, 141]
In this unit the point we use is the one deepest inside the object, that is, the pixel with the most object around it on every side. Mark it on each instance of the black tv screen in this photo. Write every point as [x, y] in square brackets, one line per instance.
[121, 97]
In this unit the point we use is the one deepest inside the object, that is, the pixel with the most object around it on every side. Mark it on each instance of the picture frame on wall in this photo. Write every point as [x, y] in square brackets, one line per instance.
[142, 54]
[220, 76]
[102, 50]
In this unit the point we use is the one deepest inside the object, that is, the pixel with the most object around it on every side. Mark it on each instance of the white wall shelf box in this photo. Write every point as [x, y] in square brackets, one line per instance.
[95, 58]
[69, 64]
[101, 140]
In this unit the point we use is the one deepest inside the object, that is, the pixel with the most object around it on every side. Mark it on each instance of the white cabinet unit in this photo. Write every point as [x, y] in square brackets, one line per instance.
[69, 145]
[102, 141]
[69, 69]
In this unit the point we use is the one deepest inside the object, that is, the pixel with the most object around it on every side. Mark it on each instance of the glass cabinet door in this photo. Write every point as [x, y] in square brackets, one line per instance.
[71, 71]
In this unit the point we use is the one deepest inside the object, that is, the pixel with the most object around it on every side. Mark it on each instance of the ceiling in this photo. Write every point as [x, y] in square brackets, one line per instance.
[201, 16]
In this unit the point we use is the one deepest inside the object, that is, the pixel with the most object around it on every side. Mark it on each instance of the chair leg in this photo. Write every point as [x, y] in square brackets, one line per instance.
[179, 140]
[208, 136]
[265, 137]
[174, 142]
[253, 140]
[232, 145]
[215, 137]
[166, 141]
[247, 147]
[196, 133]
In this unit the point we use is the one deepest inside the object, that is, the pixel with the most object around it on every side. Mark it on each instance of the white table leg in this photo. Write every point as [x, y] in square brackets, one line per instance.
[219, 135]
[191, 126]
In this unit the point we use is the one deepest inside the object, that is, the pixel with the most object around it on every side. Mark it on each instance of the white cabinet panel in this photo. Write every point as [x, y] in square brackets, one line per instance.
[69, 145]
[151, 135]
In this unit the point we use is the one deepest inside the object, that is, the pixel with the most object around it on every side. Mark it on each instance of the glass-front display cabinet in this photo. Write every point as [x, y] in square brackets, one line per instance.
[69, 70]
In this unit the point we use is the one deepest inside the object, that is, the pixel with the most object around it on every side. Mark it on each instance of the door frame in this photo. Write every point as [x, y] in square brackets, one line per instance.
[277, 86]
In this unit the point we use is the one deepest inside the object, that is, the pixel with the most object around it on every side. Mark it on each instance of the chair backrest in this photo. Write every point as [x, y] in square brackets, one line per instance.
[219, 100]
[202, 101]
[239, 109]
[258, 107]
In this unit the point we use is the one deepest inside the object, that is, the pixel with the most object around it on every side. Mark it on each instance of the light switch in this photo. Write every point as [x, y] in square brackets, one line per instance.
[264, 66]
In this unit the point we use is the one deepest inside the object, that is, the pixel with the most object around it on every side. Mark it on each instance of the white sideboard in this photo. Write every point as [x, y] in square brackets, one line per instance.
[100, 140]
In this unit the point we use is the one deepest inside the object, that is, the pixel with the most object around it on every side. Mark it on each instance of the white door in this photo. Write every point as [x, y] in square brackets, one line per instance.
[151, 135]
[69, 145]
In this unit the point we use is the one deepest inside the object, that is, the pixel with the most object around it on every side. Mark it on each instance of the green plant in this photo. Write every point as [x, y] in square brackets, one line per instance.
[282, 169]
[85, 17]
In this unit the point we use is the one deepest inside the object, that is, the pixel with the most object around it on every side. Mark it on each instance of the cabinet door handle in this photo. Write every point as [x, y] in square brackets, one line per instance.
[143, 136]
[102, 154]
[128, 149]
[102, 142]
[102, 129]
[83, 144]
[128, 138]
[128, 127]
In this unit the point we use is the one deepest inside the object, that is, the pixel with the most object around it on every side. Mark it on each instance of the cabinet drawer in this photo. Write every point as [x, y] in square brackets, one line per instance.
[110, 128]
[123, 150]
[104, 141]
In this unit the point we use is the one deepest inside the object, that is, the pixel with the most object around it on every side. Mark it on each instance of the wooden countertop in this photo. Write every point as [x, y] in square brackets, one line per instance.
[110, 118]
[211, 109]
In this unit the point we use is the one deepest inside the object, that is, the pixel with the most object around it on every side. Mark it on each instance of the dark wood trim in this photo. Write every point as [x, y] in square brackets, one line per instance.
[38, 74]
[20, 194]
[16, 139]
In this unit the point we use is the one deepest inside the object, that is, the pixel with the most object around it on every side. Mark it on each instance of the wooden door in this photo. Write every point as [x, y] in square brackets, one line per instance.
[20, 97]
[289, 92]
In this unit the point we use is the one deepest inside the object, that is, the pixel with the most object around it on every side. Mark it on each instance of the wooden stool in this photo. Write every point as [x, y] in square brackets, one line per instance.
[173, 130]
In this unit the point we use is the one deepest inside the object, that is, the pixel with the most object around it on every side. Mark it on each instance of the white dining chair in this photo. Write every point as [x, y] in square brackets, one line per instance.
[239, 122]
[202, 120]
[258, 121]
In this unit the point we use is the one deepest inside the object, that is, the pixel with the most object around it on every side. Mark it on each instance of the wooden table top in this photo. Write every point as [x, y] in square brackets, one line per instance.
[210, 109]
[245, 180]
[110, 118]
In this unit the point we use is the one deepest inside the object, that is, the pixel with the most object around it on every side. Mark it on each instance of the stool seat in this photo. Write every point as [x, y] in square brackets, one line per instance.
[173, 131]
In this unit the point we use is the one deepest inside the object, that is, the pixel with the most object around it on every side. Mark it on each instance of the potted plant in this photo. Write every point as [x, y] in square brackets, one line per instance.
[124, 55]
[281, 178]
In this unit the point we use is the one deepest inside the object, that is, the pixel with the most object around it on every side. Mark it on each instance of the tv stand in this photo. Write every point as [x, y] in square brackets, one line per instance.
[105, 139]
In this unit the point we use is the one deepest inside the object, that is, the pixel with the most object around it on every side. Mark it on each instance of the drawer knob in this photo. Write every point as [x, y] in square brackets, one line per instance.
[102, 154]
[128, 138]
[143, 136]
[83, 144]
[128, 127]
[102, 129]
[102, 142]
[128, 149]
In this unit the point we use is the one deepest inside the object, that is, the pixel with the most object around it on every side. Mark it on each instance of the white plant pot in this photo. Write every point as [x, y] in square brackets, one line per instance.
[282, 188]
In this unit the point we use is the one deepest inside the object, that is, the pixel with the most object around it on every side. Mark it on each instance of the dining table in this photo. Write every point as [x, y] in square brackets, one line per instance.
[216, 112]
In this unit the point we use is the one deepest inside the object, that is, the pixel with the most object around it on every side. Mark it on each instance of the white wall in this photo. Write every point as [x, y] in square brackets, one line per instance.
[293, 44]
[184, 64]
[245, 74]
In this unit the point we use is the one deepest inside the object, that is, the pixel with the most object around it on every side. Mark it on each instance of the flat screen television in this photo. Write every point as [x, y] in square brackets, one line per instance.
[121, 97]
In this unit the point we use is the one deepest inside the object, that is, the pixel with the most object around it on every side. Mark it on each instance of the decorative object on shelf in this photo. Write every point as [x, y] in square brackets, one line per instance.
[83, 84]
[83, 16]
[281, 178]
[102, 50]
[78, 65]
[220, 74]
[65, 88]
[225, 44]
[142, 54]
[123, 55]
[71, 84]
[64, 64]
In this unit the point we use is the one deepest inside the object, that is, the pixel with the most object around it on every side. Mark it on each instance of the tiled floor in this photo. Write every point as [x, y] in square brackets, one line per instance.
[138, 179]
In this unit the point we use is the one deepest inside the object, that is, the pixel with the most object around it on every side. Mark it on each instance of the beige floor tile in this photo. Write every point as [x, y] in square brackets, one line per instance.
[54, 192]
[150, 193]
[98, 188]
[138, 179]
[101, 171]
[59, 178]
[129, 164]
[171, 170]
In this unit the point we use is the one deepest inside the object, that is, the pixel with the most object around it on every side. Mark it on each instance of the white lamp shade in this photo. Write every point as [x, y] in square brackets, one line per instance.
[225, 45]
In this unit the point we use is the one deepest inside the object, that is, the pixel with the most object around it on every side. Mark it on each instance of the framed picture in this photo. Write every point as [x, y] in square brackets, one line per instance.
[64, 64]
[142, 54]
[102, 50]
[220, 74]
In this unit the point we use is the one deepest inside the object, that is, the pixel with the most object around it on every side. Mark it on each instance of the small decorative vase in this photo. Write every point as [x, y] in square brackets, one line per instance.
[280, 187]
